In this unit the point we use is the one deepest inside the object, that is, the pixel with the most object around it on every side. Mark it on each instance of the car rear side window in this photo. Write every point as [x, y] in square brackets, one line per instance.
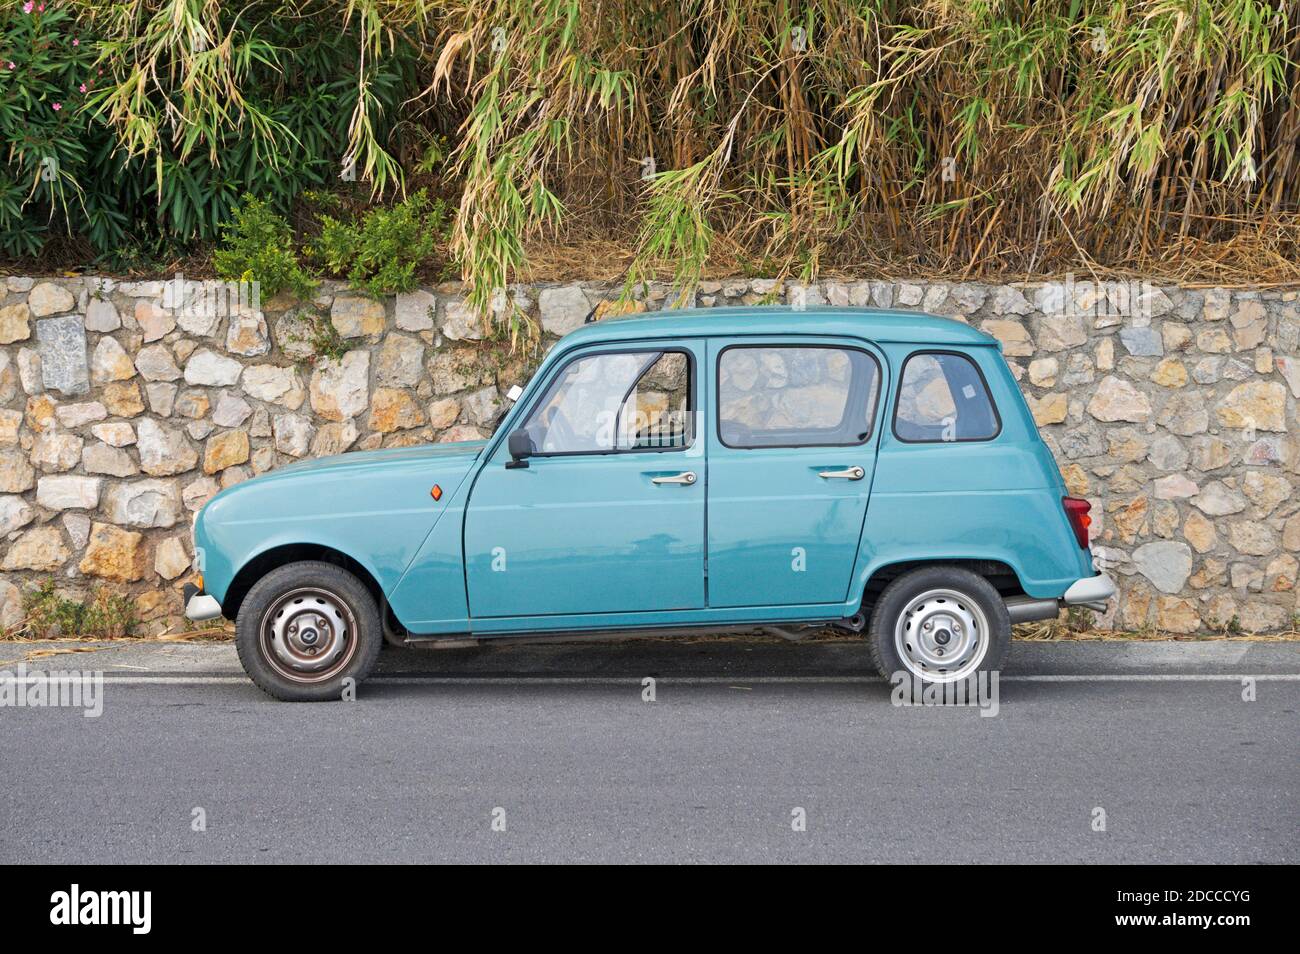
[795, 396]
[942, 397]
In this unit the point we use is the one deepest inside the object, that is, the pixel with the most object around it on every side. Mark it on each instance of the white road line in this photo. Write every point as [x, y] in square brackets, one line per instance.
[1161, 677]
[181, 680]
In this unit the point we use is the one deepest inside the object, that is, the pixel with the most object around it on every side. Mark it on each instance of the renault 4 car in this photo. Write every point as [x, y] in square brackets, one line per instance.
[685, 471]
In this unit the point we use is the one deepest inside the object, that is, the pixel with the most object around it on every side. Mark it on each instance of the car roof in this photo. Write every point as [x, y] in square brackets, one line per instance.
[873, 324]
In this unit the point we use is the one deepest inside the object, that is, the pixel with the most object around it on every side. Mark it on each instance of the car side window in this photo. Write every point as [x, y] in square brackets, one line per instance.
[795, 396]
[610, 402]
[942, 397]
[657, 412]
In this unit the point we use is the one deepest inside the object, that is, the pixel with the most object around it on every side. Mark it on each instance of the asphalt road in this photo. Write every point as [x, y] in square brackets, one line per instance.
[558, 742]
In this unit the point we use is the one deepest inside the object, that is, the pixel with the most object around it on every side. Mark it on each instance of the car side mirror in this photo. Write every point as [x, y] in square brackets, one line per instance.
[520, 444]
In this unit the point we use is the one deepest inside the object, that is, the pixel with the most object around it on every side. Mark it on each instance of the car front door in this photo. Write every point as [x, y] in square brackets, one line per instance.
[792, 446]
[608, 514]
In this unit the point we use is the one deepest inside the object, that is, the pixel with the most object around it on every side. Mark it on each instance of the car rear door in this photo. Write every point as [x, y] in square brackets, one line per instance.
[792, 440]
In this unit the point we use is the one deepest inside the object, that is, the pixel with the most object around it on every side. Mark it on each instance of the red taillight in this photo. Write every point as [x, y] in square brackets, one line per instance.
[1077, 510]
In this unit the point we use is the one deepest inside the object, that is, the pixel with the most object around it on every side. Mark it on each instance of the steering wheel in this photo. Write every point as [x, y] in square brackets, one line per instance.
[559, 433]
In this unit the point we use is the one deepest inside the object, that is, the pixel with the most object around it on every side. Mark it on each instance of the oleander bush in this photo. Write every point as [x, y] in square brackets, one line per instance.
[58, 167]
[165, 112]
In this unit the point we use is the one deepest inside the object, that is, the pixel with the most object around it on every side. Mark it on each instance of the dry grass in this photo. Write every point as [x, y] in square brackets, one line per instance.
[1065, 630]
[1250, 259]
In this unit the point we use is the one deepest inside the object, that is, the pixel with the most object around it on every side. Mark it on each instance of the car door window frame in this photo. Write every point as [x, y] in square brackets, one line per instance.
[988, 394]
[787, 344]
[692, 397]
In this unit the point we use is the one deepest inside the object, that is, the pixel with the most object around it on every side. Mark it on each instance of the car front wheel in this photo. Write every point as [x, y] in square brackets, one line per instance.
[304, 630]
[939, 624]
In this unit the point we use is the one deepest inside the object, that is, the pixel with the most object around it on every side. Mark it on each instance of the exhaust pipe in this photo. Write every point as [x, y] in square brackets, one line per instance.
[1023, 609]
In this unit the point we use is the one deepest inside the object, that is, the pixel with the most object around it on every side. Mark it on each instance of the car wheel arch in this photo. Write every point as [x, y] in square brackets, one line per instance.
[1004, 576]
[283, 554]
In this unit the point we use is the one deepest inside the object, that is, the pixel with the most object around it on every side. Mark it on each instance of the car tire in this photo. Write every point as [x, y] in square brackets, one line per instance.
[308, 631]
[939, 624]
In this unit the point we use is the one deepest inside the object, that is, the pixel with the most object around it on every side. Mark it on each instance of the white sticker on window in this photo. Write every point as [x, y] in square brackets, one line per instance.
[968, 392]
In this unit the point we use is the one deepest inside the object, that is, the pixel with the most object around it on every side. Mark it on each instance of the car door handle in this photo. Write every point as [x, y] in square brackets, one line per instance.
[685, 477]
[848, 473]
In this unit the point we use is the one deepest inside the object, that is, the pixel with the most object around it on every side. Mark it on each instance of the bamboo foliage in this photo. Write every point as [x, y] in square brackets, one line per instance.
[970, 136]
[988, 137]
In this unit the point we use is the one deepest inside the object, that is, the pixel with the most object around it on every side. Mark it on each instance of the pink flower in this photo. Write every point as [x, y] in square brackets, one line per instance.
[27, 7]
[11, 64]
[57, 107]
[76, 42]
[82, 87]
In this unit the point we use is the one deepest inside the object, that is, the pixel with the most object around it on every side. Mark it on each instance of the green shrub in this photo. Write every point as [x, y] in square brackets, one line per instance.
[259, 246]
[382, 253]
[105, 616]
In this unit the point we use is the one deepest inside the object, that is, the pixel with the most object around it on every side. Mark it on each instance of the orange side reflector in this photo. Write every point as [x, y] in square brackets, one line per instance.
[436, 492]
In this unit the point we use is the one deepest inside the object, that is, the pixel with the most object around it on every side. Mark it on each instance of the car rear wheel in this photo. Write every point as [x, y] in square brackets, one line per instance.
[304, 630]
[939, 624]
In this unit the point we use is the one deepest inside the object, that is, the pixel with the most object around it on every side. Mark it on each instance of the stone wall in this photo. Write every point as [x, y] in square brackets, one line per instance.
[123, 408]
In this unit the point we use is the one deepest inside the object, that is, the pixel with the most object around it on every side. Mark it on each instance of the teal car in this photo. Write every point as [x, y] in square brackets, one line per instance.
[685, 471]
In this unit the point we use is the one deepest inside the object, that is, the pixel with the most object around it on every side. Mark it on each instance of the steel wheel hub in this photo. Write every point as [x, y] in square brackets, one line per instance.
[308, 634]
[942, 636]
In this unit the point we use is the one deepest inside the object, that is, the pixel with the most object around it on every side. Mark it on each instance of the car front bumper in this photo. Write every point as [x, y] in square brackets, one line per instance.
[200, 606]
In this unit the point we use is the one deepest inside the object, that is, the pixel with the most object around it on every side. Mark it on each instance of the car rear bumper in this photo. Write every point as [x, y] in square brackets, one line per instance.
[1091, 589]
[1091, 592]
[200, 606]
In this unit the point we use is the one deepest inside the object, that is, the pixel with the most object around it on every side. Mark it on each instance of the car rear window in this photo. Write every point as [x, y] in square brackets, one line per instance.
[942, 397]
[795, 396]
